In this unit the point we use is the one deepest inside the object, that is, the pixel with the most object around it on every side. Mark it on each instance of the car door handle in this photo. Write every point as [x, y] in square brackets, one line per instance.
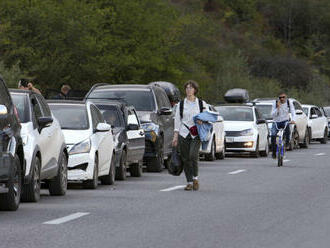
[141, 133]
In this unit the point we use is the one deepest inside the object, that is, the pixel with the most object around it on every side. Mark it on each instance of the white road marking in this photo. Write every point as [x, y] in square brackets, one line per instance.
[236, 172]
[320, 154]
[286, 160]
[65, 219]
[173, 188]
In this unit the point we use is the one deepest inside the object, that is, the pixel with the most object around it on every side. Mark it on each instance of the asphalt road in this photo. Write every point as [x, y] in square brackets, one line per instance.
[242, 202]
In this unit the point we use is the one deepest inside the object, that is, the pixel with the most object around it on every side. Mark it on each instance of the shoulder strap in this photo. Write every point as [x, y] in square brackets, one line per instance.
[181, 108]
[200, 102]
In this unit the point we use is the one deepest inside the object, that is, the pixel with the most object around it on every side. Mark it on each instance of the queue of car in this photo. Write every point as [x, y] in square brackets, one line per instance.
[117, 129]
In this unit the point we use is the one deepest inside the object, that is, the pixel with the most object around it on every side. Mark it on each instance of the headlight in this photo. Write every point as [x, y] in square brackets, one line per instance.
[247, 132]
[150, 126]
[25, 139]
[82, 147]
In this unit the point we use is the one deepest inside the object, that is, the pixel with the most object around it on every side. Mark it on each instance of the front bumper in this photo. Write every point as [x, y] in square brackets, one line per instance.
[241, 144]
[81, 167]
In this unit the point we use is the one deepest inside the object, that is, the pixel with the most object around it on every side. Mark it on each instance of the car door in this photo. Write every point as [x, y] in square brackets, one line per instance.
[320, 123]
[136, 138]
[103, 141]
[166, 121]
[262, 130]
[42, 139]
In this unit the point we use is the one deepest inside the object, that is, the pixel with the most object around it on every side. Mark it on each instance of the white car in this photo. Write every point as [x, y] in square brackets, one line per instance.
[317, 123]
[89, 141]
[299, 131]
[45, 151]
[245, 130]
[215, 148]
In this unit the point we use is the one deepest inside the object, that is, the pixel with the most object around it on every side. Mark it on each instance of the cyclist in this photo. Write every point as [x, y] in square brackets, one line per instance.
[282, 108]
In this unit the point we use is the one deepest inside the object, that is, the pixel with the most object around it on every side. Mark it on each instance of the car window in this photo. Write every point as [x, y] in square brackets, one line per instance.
[96, 116]
[297, 106]
[142, 100]
[258, 115]
[313, 112]
[305, 109]
[326, 111]
[162, 99]
[233, 113]
[265, 111]
[112, 115]
[318, 112]
[36, 108]
[71, 116]
[132, 118]
[21, 102]
[44, 106]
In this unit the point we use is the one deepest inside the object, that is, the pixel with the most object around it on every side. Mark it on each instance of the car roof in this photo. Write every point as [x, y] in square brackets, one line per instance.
[233, 105]
[309, 106]
[66, 102]
[25, 92]
[125, 86]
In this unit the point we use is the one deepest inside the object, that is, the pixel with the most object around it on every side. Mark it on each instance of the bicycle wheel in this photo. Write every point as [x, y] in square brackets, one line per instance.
[280, 156]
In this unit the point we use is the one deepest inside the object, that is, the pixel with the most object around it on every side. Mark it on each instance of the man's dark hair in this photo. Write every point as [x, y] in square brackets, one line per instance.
[23, 82]
[282, 93]
[193, 84]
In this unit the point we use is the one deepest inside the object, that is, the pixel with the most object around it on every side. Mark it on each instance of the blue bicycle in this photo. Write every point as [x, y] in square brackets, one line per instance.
[280, 144]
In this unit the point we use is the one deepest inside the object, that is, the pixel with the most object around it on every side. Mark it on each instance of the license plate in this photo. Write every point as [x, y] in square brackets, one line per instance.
[229, 139]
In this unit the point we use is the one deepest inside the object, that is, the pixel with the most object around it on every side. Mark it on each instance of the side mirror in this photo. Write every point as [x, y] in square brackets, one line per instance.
[45, 122]
[314, 117]
[165, 111]
[299, 112]
[103, 127]
[133, 127]
[261, 122]
[3, 111]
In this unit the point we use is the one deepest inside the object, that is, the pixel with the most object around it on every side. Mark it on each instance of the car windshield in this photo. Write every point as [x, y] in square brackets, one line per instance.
[21, 102]
[142, 100]
[71, 116]
[265, 111]
[235, 113]
[305, 109]
[327, 111]
[111, 115]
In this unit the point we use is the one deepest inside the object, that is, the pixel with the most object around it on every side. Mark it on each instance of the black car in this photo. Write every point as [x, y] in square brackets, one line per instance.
[12, 155]
[155, 113]
[128, 136]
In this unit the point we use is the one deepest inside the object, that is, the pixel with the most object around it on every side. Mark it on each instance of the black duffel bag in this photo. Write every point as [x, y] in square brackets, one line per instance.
[176, 167]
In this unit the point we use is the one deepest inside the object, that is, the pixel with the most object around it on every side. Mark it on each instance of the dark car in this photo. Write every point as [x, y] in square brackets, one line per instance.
[326, 112]
[155, 113]
[172, 92]
[12, 155]
[128, 136]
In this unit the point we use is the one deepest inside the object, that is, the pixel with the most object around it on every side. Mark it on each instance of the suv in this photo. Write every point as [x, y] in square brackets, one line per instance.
[128, 137]
[11, 155]
[299, 131]
[46, 156]
[154, 110]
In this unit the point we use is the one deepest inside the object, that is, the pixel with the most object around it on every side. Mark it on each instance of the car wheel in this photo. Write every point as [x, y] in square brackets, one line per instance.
[110, 178]
[306, 139]
[58, 185]
[256, 153]
[121, 170]
[136, 170]
[222, 154]
[324, 140]
[10, 201]
[92, 184]
[211, 156]
[266, 151]
[156, 164]
[31, 191]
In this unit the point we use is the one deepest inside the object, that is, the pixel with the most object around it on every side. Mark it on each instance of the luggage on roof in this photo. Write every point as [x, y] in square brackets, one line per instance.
[172, 92]
[237, 96]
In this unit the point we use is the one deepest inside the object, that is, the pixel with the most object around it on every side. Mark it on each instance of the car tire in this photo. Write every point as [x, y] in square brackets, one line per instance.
[211, 156]
[266, 151]
[93, 183]
[156, 164]
[10, 201]
[31, 191]
[136, 170]
[110, 178]
[221, 155]
[256, 153]
[59, 184]
[324, 140]
[305, 144]
[121, 170]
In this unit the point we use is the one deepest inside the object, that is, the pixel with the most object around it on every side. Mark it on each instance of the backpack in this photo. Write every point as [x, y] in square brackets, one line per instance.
[287, 101]
[200, 103]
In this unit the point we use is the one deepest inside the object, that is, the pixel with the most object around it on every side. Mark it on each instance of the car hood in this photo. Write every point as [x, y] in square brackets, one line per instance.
[237, 125]
[75, 136]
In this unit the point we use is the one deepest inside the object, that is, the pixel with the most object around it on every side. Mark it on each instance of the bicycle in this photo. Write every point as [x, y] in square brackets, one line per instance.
[280, 144]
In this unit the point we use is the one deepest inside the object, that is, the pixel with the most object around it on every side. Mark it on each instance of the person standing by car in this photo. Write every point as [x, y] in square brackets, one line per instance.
[186, 135]
[282, 108]
[65, 89]
[24, 84]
